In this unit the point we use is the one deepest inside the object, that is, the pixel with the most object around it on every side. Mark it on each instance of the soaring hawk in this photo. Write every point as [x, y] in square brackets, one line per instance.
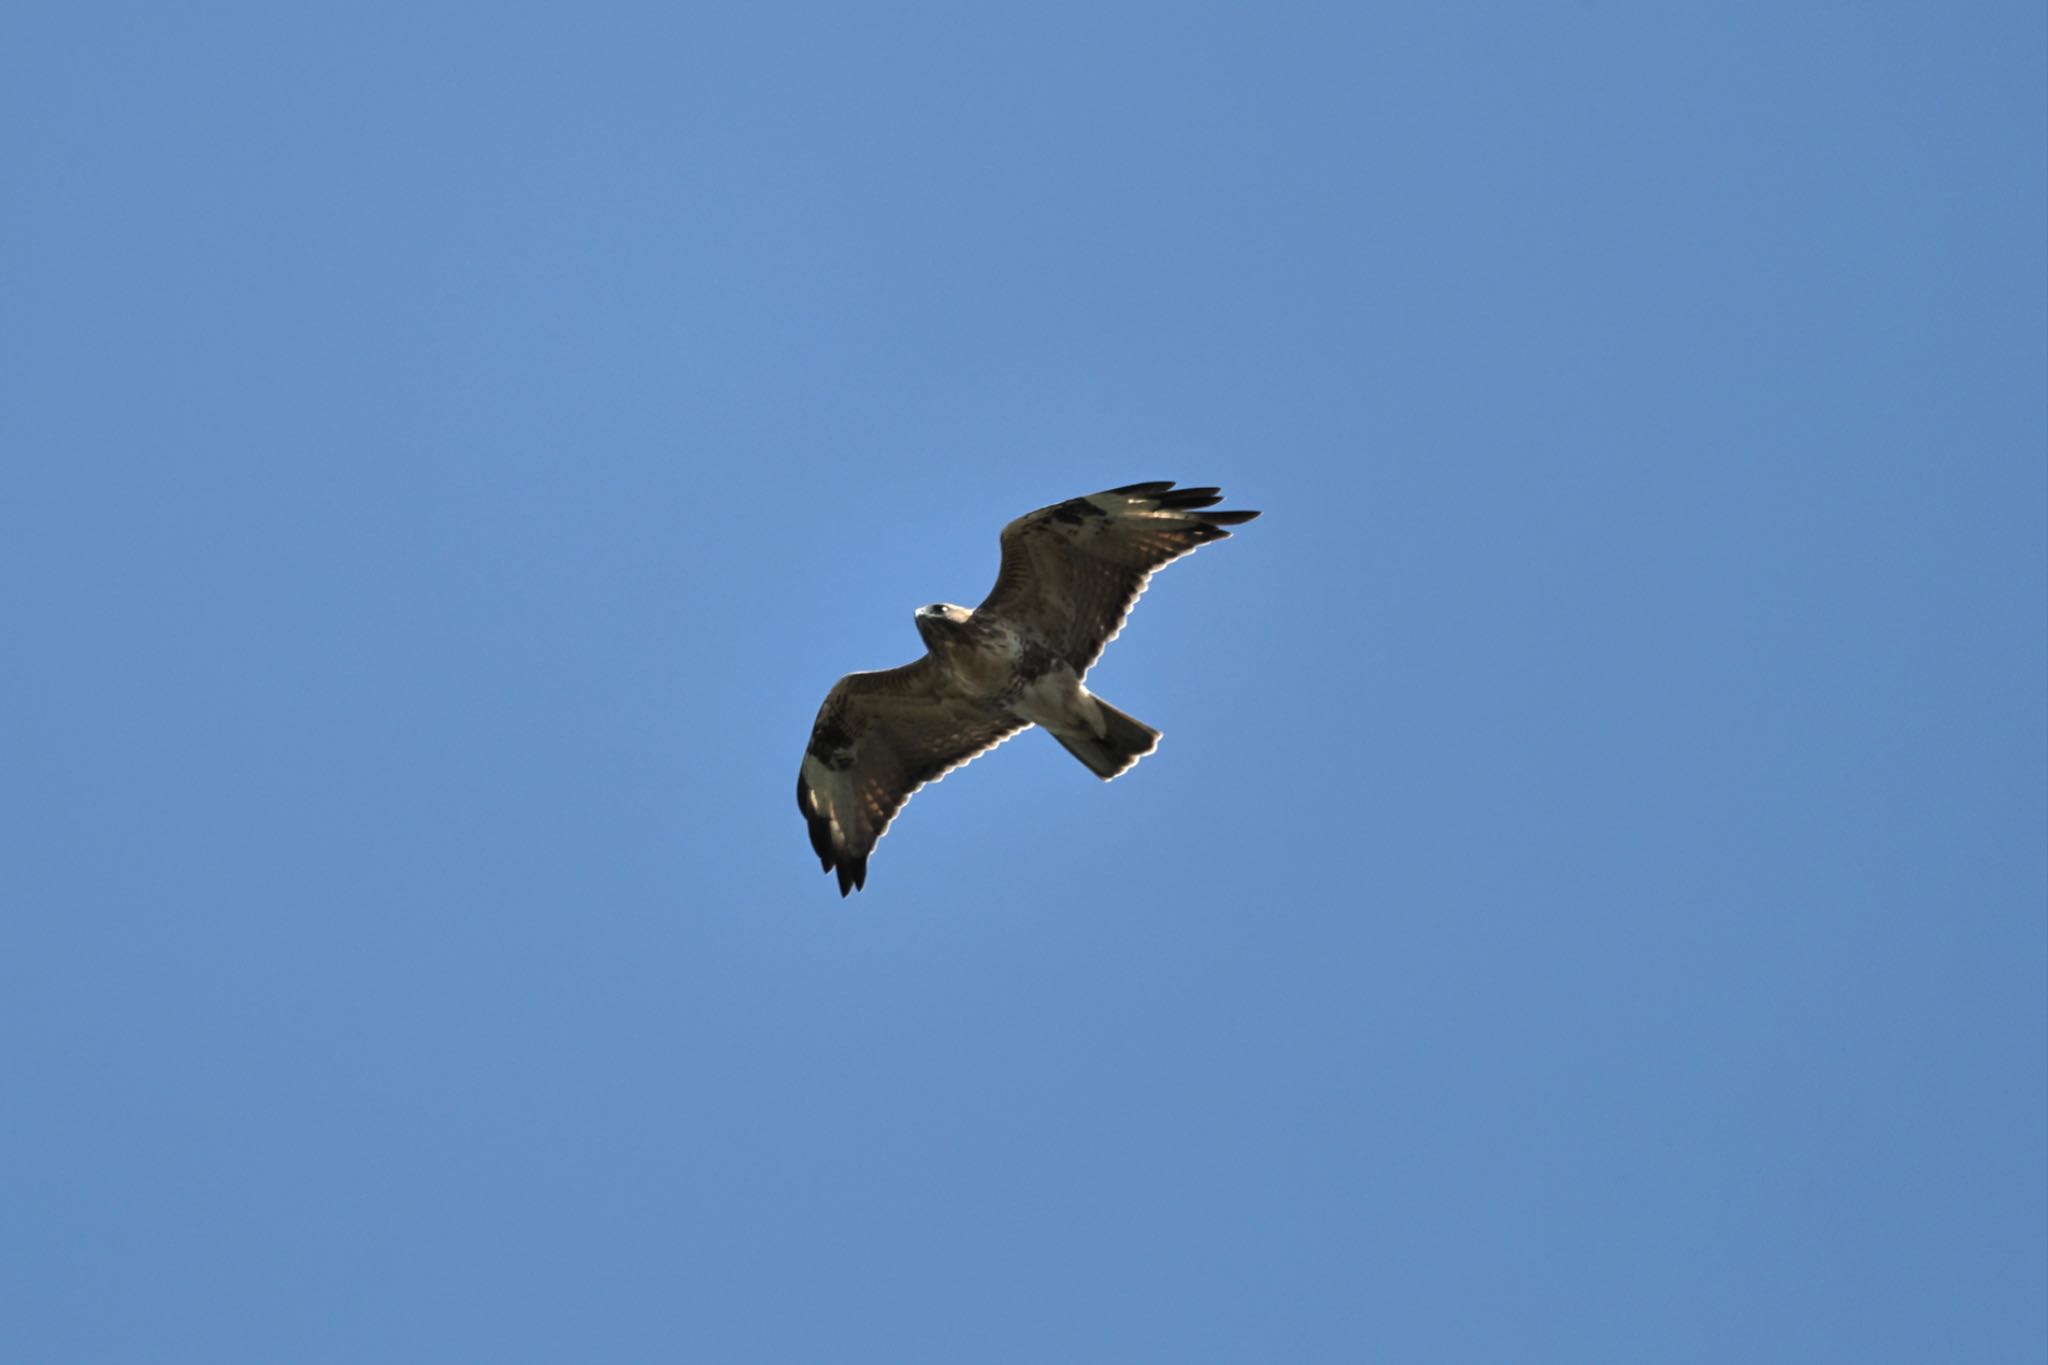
[1070, 575]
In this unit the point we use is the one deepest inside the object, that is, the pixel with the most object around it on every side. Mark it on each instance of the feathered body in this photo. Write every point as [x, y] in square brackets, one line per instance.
[1070, 576]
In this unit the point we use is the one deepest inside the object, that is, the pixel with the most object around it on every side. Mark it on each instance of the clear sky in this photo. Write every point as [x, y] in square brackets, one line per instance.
[1588, 905]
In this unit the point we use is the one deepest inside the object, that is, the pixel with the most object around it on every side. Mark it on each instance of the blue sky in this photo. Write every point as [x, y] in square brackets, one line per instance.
[1589, 903]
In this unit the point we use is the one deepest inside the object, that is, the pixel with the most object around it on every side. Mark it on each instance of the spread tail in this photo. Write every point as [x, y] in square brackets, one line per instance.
[1124, 741]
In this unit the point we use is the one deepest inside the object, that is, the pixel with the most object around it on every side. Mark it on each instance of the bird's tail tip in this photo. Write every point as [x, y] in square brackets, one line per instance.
[1124, 740]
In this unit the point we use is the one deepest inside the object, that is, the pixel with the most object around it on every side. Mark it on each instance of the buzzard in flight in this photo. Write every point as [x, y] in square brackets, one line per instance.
[1070, 575]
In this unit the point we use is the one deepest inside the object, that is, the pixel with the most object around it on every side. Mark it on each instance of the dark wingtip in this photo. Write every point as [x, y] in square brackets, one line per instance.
[815, 824]
[1189, 500]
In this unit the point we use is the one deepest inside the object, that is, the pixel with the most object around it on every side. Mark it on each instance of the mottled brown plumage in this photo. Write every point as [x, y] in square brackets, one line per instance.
[1070, 575]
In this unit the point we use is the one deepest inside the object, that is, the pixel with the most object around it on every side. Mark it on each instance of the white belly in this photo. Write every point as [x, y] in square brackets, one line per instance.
[1059, 702]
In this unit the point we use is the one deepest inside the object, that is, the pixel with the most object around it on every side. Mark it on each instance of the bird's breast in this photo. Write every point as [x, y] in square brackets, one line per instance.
[983, 656]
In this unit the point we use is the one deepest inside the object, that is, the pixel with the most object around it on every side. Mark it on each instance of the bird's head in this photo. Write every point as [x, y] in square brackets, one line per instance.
[940, 621]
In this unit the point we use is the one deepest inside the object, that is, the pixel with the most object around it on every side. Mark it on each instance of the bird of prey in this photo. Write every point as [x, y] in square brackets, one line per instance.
[1070, 575]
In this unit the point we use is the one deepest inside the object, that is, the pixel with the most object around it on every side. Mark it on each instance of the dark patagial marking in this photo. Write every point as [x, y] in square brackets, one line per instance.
[831, 740]
[1074, 511]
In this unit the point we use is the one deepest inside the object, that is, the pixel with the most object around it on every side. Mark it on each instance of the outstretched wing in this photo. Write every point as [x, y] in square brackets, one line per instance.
[879, 737]
[1072, 572]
